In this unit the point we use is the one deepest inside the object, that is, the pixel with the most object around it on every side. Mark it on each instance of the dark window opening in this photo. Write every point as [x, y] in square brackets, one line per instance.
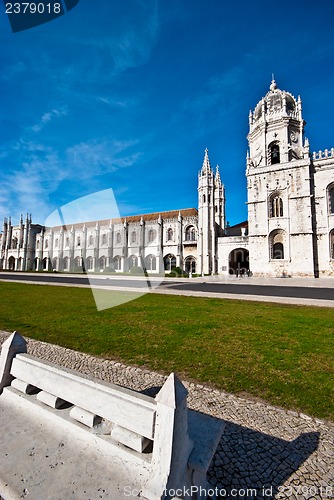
[331, 200]
[278, 251]
[276, 207]
[275, 155]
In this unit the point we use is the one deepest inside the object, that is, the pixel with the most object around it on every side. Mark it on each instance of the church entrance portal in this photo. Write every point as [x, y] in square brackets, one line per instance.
[238, 261]
[11, 263]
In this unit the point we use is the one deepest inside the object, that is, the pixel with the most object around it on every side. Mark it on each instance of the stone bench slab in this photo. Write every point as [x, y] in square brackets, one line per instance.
[55, 459]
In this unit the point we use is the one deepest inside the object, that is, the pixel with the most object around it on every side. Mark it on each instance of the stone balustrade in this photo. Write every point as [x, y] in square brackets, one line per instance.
[322, 155]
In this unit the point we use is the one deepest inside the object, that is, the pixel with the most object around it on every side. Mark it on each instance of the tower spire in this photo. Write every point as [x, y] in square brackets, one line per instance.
[206, 167]
[217, 176]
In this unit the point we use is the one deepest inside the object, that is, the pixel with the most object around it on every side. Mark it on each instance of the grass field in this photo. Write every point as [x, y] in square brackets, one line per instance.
[283, 354]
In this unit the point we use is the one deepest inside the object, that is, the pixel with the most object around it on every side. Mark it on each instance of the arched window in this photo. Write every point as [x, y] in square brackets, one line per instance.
[276, 206]
[46, 243]
[54, 264]
[133, 237]
[118, 238]
[67, 242]
[204, 198]
[169, 262]
[151, 263]
[117, 262]
[190, 264]
[133, 261]
[331, 244]
[65, 263]
[77, 262]
[78, 241]
[56, 242]
[11, 263]
[278, 251]
[89, 263]
[330, 191]
[190, 233]
[170, 234]
[102, 263]
[151, 236]
[104, 239]
[91, 240]
[276, 241]
[15, 243]
[274, 153]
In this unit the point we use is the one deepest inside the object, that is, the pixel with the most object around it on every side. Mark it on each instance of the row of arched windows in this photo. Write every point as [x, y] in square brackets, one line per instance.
[190, 235]
[150, 263]
[133, 237]
[189, 263]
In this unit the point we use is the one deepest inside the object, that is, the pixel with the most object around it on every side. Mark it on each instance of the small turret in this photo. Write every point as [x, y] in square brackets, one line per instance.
[9, 233]
[218, 181]
[4, 232]
[206, 167]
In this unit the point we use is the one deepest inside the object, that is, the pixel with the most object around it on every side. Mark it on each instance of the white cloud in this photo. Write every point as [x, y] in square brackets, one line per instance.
[43, 170]
[47, 117]
[95, 157]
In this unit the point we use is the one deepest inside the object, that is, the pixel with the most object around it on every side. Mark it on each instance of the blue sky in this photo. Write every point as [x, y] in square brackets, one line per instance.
[128, 94]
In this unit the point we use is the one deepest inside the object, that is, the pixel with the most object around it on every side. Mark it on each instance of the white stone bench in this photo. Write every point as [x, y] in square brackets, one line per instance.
[69, 436]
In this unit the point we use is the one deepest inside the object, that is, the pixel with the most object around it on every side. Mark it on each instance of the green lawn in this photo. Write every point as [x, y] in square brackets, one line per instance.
[283, 354]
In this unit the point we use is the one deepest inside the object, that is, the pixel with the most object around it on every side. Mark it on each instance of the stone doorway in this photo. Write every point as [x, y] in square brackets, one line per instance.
[239, 262]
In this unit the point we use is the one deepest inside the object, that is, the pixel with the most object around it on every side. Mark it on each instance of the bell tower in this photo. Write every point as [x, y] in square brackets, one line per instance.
[279, 183]
[211, 216]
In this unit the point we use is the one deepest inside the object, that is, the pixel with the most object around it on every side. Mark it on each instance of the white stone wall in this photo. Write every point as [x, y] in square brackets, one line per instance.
[324, 177]
[226, 245]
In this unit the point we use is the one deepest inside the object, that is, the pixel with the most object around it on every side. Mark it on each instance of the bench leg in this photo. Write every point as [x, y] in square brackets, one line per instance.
[15, 344]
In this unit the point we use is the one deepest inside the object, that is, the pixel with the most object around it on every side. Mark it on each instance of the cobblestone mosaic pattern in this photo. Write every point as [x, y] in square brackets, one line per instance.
[264, 452]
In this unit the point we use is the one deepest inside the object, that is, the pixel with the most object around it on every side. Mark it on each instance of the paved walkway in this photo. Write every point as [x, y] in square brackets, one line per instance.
[125, 284]
[265, 452]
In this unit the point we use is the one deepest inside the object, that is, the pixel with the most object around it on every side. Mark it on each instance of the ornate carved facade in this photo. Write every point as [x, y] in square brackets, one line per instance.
[290, 229]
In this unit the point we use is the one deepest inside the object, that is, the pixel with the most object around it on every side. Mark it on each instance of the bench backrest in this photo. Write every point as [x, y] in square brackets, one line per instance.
[119, 405]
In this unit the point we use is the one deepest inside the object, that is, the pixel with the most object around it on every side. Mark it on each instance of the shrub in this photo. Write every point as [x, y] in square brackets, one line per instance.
[137, 270]
[177, 271]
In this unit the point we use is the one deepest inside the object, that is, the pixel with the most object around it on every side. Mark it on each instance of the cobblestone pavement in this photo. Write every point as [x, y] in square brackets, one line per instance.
[264, 452]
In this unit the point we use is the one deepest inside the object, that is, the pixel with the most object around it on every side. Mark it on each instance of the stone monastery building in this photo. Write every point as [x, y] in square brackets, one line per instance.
[290, 228]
